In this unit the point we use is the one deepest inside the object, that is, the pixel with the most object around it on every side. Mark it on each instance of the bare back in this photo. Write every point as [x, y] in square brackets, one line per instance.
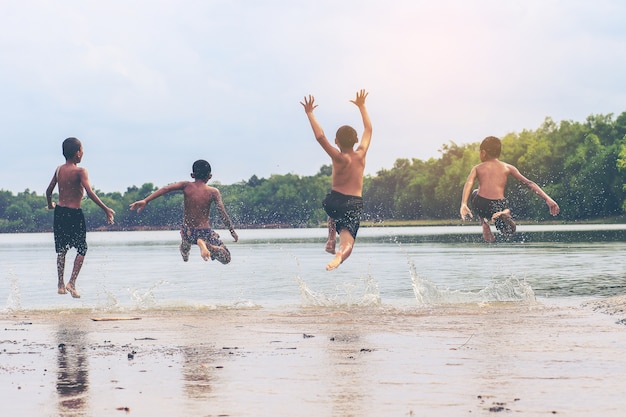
[197, 204]
[348, 171]
[69, 179]
[492, 177]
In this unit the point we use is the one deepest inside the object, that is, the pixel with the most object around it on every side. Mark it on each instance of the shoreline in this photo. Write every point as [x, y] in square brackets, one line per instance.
[528, 358]
[619, 220]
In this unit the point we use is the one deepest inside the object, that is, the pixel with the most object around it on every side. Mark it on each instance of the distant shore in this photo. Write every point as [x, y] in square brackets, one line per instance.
[364, 223]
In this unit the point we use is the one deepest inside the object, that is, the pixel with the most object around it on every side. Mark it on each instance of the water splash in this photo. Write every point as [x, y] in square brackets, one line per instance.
[14, 299]
[511, 289]
[146, 300]
[352, 294]
[111, 303]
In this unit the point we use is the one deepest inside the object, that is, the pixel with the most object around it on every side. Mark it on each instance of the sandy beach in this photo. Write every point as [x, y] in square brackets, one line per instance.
[528, 359]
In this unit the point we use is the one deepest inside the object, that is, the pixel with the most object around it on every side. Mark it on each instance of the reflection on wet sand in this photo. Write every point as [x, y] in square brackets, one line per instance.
[454, 360]
[72, 372]
[197, 369]
[346, 382]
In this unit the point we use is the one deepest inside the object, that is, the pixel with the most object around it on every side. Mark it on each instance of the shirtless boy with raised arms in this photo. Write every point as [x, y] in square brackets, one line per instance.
[344, 203]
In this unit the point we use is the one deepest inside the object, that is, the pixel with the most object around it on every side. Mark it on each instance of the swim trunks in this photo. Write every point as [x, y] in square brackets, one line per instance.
[485, 209]
[191, 235]
[346, 210]
[70, 230]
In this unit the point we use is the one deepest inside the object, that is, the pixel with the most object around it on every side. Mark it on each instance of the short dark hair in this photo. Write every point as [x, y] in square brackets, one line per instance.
[70, 147]
[201, 169]
[346, 136]
[492, 146]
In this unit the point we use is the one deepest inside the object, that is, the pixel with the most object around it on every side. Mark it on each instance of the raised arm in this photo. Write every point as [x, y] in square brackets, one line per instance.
[309, 105]
[84, 181]
[367, 124]
[552, 205]
[141, 204]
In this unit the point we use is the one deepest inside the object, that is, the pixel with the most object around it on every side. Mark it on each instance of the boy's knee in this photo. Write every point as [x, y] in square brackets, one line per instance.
[224, 259]
[221, 254]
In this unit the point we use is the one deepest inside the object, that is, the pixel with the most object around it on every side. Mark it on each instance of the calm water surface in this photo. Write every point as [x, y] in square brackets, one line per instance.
[390, 266]
[234, 342]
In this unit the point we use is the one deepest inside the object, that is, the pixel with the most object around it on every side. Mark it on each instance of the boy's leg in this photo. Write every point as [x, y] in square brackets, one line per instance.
[204, 250]
[331, 243]
[71, 285]
[504, 222]
[345, 249]
[61, 271]
[487, 234]
[185, 247]
[218, 252]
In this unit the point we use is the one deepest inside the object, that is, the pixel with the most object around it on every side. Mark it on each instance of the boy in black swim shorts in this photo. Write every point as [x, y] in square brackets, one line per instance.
[486, 209]
[489, 201]
[344, 203]
[70, 230]
[69, 221]
[345, 210]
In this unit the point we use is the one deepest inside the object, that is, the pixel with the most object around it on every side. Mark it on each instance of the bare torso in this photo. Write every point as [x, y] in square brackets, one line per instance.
[71, 190]
[197, 206]
[492, 177]
[348, 173]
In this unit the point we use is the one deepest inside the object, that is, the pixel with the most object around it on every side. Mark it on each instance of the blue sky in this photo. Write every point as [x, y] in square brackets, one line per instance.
[151, 86]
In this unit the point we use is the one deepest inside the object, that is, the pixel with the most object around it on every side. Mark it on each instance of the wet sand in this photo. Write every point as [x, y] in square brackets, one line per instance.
[528, 359]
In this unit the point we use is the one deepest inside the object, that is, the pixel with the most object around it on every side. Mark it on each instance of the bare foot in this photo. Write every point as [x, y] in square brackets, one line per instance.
[330, 246]
[72, 291]
[337, 260]
[505, 212]
[204, 250]
[62, 289]
[487, 234]
[504, 222]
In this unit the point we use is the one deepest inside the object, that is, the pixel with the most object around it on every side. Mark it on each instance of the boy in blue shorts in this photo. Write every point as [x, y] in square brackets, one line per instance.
[344, 203]
[196, 227]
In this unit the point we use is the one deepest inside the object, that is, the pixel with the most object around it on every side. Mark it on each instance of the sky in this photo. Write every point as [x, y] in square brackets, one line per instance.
[149, 86]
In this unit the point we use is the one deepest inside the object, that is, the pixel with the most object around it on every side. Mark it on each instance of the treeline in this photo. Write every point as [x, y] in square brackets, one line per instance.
[580, 165]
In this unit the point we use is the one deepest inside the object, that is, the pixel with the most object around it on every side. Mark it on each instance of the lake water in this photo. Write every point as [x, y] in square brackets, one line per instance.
[421, 321]
[395, 266]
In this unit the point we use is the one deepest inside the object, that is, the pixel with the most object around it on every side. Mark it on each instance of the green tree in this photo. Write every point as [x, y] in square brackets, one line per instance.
[19, 215]
[621, 165]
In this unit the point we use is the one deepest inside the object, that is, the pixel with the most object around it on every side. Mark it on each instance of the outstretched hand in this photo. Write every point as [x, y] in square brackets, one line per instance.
[138, 205]
[309, 104]
[361, 95]
[465, 212]
[554, 207]
[110, 213]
